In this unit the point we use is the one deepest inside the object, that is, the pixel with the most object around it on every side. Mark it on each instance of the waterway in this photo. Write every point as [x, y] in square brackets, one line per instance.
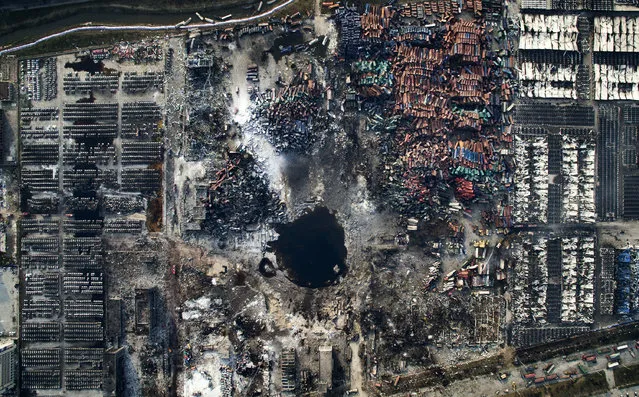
[109, 16]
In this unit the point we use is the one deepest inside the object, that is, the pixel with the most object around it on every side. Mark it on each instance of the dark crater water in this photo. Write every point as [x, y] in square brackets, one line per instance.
[311, 249]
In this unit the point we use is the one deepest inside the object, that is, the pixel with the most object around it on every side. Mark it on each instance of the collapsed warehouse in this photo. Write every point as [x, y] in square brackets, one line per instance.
[555, 175]
[552, 287]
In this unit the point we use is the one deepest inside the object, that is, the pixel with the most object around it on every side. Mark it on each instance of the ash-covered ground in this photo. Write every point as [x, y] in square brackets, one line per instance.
[265, 139]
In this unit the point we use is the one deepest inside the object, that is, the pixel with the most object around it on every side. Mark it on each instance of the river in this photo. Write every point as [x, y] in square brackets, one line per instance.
[140, 26]
[119, 16]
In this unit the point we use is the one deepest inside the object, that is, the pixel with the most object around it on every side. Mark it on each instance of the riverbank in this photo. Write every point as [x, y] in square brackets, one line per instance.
[277, 8]
[83, 40]
[23, 26]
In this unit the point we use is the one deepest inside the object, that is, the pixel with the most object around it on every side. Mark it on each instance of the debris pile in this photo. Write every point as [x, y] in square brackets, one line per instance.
[139, 52]
[239, 197]
[474, 273]
[288, 114]
[552, 285]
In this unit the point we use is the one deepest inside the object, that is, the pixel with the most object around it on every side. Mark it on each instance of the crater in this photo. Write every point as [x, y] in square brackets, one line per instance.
[311, 249]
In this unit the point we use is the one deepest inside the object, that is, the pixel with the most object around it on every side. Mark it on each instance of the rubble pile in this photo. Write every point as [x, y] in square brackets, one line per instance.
[428, 319]
[239, 197]
[288, 114]
[552, 285]
[531, 179]
[578, 172]
[208, 117]
[474, 273]
[530, 285]
[139, 52]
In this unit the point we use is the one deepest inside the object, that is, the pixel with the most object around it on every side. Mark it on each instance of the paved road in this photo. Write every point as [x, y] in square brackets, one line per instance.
[562, 365]
[149, 28]
[627, 392]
